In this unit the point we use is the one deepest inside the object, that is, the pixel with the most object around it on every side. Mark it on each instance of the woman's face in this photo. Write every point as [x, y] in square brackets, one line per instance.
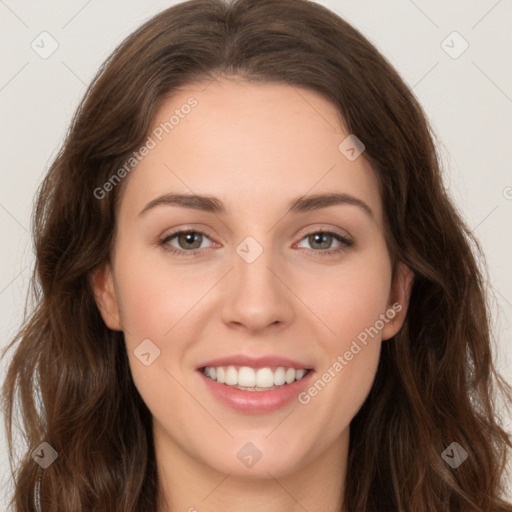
[251, 279]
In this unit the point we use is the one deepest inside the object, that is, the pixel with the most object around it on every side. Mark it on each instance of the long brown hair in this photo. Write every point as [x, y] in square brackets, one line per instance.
[436, 383]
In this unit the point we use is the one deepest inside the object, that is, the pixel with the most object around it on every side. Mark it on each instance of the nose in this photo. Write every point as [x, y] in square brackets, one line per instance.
[257, 298]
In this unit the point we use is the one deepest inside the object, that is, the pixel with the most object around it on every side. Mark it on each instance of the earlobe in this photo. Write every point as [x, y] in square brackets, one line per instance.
[105, 296]
[398, 300]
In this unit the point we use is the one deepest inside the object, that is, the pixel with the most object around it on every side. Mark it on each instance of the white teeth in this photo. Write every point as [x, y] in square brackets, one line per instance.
[280, 376]
[231, 376]
[264, 378]
[212, 372]
[298, 374]
[247, 377]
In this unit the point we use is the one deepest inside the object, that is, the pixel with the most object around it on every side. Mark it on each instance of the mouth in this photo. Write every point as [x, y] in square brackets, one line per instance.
[246, 378]
[255, 389]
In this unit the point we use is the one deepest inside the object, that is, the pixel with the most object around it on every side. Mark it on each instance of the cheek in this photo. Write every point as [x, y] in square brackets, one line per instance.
[349, 298]
[154, 299]
[351, 303]
[156, 305]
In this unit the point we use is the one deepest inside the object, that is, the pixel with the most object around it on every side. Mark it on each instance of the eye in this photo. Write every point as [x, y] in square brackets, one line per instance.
[321, 242]
[188, 241]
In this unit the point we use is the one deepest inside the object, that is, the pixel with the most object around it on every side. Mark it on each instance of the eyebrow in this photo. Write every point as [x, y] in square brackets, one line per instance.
[301, 204]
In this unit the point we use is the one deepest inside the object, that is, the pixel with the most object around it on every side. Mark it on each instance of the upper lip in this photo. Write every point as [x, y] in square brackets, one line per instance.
[255, 362]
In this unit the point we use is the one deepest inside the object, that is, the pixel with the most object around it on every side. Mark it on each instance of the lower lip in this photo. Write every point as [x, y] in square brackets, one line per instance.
[257, 402]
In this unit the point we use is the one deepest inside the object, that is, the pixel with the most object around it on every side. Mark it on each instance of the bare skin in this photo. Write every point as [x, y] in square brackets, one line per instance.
[255, 147]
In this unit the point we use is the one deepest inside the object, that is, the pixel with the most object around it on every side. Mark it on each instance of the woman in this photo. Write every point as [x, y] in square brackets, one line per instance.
[253, 369]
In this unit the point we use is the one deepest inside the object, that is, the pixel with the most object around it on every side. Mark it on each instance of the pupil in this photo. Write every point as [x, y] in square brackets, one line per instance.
[189, 238]
[318, 239]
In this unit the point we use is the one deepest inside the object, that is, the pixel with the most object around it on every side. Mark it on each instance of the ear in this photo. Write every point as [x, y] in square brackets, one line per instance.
[398, 300]
[102, 283]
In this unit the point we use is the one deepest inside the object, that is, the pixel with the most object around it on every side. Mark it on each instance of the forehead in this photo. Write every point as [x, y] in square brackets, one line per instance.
[247, 142]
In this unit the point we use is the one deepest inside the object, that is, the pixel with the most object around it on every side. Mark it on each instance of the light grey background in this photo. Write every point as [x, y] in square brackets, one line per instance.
[468, 100]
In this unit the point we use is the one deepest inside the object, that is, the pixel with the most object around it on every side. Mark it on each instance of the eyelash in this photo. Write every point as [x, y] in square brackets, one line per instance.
[346, 243]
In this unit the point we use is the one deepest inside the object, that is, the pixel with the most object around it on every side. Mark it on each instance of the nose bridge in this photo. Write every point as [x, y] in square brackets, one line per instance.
[252, 265]
[257, 298]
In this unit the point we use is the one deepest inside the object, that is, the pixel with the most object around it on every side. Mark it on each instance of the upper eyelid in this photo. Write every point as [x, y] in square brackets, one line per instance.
[186, 230]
